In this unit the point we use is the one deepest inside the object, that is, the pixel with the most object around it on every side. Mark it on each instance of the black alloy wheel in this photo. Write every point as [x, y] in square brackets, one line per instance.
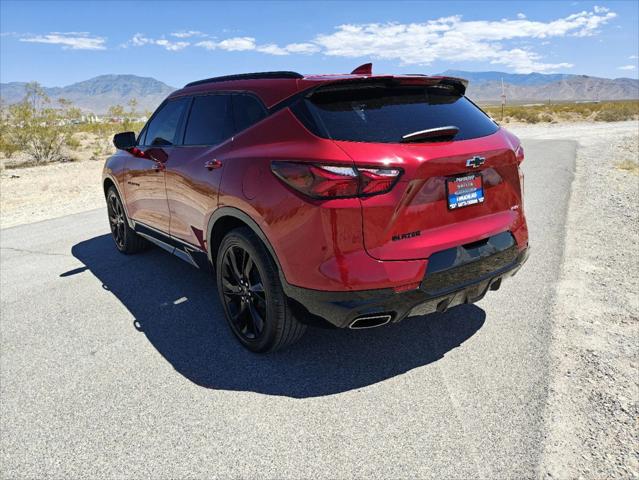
[243, 293]
[250, 290]
[123, 235]
[117, 220]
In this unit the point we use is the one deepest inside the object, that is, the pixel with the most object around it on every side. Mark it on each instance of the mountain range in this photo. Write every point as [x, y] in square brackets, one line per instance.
[99, 93]
[539, 87]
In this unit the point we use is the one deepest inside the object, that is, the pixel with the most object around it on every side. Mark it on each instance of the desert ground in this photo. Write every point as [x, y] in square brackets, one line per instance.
[592, 403]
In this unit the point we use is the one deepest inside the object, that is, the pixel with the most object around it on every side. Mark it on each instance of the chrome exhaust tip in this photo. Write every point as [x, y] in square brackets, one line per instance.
[371, 321]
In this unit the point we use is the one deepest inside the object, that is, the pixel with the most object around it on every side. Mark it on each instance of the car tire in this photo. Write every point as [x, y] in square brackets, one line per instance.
[124, 237]
[251, 293]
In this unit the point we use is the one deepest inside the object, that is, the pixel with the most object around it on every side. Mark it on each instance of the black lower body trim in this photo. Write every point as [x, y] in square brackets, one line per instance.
[184, 251]
[463, 282]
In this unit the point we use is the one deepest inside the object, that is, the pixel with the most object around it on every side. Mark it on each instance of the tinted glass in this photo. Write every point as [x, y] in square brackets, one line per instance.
[163, 127]
[210, 121]
[141, 137]
[384, 113]
[247, 110]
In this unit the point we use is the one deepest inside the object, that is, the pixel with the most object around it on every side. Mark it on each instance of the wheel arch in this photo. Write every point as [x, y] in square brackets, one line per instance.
[224, 220]
[107, 182]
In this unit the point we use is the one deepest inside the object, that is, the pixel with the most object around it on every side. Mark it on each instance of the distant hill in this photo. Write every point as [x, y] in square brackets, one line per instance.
[512, 78]
[538, 87]
[99, 93]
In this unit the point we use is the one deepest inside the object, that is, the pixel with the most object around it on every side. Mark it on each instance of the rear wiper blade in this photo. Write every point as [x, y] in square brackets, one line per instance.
[431, 133]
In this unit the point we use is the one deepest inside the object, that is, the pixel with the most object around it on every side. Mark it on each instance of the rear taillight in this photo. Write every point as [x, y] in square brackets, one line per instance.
[333, 181]
[519, 154]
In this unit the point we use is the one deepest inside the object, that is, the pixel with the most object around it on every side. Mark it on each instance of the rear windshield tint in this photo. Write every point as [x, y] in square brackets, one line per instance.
[382, 113]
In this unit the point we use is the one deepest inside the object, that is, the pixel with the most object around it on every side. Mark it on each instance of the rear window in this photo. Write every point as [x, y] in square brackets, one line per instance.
[383, 113]
[246, 111]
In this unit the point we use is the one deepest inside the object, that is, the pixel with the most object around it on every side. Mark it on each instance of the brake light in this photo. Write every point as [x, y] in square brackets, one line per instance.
[519, 154]
[332, 181]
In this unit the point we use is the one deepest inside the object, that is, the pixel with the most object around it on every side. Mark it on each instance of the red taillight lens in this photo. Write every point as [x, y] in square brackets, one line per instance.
[377, 180]
[332, 181]
[519, 154]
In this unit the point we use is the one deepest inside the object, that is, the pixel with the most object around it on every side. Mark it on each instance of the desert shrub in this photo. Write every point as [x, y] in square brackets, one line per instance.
[38, 133]
[617, 112]
[603, 111]
[72, 142]
[7, 148]
[631, 166]
[528, 116]
[35, 127]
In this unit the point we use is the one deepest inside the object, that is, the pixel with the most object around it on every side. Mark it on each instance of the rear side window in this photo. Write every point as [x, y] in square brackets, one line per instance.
[163, 127]
[247, 110]
[210, 121]
[385, 113]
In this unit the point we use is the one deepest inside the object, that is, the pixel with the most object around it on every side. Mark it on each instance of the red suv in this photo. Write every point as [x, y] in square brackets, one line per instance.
[350, 200]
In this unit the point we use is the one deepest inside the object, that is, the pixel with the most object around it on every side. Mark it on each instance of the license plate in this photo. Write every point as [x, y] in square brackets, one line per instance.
[464, 190]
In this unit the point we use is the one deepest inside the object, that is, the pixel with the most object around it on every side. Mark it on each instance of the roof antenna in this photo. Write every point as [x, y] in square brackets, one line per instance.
[366, 69]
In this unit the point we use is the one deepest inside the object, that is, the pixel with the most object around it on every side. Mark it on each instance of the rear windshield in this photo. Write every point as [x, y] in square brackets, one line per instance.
[384, 113]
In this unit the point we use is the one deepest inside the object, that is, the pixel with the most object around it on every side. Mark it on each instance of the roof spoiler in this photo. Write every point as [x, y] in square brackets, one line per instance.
[459, 85]
[365, 69]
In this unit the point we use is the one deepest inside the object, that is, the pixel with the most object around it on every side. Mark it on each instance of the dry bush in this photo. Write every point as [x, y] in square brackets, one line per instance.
[574, 112]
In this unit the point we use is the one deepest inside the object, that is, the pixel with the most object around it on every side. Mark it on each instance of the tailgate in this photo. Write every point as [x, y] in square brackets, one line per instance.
[415, 220]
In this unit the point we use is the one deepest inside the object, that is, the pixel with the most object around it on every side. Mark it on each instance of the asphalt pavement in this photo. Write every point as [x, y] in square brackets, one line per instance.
[115, 366]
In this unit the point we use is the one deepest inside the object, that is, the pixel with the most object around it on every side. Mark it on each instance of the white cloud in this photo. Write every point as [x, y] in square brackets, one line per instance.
[305, 48]
[208, 44]
[234, 44]
[627, 67]
[271, 49]
[139, 40]
[188, 34]
[452, 38]
[171, 46]
[237, 44]
[632, 57]
[69, 40]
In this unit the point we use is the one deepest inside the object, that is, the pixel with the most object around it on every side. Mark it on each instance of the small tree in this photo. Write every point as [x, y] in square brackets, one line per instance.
[7, 147]
[36, 128]
[133, 105]
[116, 111]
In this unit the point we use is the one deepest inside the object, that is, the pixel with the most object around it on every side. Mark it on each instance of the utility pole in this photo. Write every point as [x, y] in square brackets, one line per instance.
[503, 98]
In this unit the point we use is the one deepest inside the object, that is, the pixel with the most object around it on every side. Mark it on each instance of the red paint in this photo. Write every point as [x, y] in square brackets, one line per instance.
[329, 244]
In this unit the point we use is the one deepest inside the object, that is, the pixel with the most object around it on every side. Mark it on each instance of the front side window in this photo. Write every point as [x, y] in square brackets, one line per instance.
[210, 121]
[163, 127]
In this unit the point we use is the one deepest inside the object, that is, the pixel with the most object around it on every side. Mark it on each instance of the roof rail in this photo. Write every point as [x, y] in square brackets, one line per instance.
[247, 76]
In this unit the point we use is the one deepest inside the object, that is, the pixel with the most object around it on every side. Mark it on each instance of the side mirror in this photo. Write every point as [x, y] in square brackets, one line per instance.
[124, 141]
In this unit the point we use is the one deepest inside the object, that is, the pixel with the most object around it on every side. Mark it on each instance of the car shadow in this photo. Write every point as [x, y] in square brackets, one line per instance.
[177, 308]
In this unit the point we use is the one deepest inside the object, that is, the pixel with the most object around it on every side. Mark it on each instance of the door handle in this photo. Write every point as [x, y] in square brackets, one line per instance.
[213, 164]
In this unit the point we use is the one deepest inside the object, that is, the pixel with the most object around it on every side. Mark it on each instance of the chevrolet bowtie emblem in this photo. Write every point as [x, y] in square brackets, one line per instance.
[475, 162]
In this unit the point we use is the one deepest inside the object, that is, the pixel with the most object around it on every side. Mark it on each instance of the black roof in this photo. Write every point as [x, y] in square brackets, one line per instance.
[247, 76]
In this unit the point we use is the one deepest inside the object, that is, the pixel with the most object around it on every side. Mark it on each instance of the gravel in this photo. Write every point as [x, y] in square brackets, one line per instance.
[593, 405]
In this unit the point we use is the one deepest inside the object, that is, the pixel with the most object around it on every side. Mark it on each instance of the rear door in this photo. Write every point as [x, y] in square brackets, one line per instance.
[145, 188]
[453, 190]
[194, 172]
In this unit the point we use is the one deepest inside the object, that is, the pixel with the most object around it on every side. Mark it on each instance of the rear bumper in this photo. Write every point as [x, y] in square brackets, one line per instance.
[455, 276]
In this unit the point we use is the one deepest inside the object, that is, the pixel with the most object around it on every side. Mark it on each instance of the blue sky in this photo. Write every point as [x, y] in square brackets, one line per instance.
[58, 43]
